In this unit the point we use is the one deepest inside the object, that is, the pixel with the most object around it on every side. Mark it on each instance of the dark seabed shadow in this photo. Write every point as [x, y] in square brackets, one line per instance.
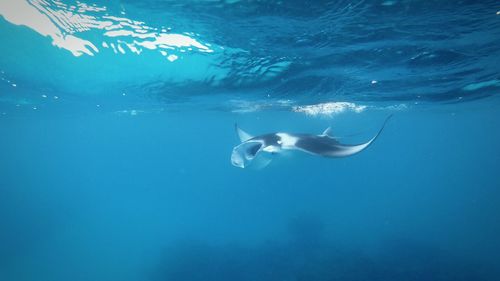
[310, 254]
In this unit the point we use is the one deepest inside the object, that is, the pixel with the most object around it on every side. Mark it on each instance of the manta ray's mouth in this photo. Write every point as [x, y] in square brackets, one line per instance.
[244, 153]
[237, 160]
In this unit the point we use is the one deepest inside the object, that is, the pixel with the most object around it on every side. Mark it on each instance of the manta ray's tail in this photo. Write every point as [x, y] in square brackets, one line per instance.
[383, 125]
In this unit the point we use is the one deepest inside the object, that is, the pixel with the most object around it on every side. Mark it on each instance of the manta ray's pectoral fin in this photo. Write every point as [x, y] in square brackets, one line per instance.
[244, 136]
[330, 147]
[342, 150]
[348, 150]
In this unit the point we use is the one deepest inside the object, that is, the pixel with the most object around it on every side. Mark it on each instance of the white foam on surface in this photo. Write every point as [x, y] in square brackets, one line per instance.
[329, 108]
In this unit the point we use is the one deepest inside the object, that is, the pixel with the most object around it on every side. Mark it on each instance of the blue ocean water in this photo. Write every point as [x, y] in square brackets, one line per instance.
[117, 127]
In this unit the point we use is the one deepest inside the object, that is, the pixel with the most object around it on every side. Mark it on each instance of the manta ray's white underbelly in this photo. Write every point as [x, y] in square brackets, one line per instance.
[272, 149]
[287, 141]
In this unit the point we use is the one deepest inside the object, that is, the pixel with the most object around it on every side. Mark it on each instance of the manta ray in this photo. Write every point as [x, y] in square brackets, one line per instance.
[259, 150]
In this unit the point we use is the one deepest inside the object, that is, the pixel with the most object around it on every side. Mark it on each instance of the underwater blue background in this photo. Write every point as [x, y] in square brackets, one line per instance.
[116, 165]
